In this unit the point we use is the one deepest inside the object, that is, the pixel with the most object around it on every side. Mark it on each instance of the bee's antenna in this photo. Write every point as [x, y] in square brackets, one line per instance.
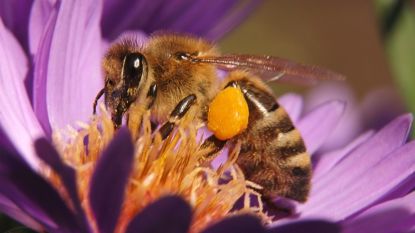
[100, 93]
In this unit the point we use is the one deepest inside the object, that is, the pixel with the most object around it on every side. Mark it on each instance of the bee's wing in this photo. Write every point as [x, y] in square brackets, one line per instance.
[273, 68]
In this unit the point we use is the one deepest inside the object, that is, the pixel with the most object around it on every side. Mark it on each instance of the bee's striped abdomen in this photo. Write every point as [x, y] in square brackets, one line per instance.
[273, 153]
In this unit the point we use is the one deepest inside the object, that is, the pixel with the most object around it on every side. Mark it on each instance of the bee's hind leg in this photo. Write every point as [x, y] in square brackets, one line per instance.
[212, 146]
[178, 112]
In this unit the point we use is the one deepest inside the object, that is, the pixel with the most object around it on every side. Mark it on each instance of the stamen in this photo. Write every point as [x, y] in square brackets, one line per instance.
[160, 168]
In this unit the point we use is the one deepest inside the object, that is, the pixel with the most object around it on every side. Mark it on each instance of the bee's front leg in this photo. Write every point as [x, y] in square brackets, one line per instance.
[94, 105]
[134, 120]
[151, 95]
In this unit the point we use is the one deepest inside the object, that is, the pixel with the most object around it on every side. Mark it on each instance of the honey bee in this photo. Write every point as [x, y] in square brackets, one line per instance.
[175, 74]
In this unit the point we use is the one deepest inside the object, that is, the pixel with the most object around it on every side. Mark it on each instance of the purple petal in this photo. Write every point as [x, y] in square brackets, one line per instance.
[373, 187]
[139, 36]
[220, 159]
[350, 124]
[208, 13]
[232, 20]
[237, 224]
[367, 174]
[67, 174]
[40, 72]
[67, 69]
[5, 142]
[324, 163]
[293, 104]
[42, 14]
[169, 214]
[384, 142]
[173, 17]
[15, 15]
[39, 17]
[392, 216]
[13, 54]
[213, 18]
[7, 207]
[381, 106]
[119, 16]
[17, 119]
[110, 179]
[307, 226]
[401, 189]
[32, 194]
[318, 125]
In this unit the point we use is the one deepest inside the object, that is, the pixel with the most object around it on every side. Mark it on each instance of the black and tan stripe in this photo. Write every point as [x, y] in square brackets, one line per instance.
[273, 154]
[178, 112]
[288, 144]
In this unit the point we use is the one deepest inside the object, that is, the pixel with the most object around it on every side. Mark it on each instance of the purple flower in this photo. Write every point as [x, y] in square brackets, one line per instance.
[86, 181]
[376, 109]
[43, 208]
[204, 18]
[366, 185]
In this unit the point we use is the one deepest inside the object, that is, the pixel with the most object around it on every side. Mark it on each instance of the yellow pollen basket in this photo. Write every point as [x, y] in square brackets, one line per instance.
[228, 113]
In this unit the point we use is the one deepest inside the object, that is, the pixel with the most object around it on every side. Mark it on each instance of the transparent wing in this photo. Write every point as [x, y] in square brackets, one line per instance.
[272, 68]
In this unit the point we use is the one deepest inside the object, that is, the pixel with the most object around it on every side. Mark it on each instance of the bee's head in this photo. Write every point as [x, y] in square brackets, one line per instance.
[125, 71]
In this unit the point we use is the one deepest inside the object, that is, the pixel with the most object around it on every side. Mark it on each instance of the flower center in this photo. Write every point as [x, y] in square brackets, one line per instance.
[160, 168]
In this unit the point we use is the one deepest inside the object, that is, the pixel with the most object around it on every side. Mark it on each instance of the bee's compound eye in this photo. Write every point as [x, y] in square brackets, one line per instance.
[133, 62]
[133, 67]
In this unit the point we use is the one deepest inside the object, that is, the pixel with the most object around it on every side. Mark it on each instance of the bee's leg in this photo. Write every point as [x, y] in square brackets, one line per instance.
[213, 146]
[153, 126]
[151, 95]
[134, 121]
[100, 93]
[178, 112]
[279, 209]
